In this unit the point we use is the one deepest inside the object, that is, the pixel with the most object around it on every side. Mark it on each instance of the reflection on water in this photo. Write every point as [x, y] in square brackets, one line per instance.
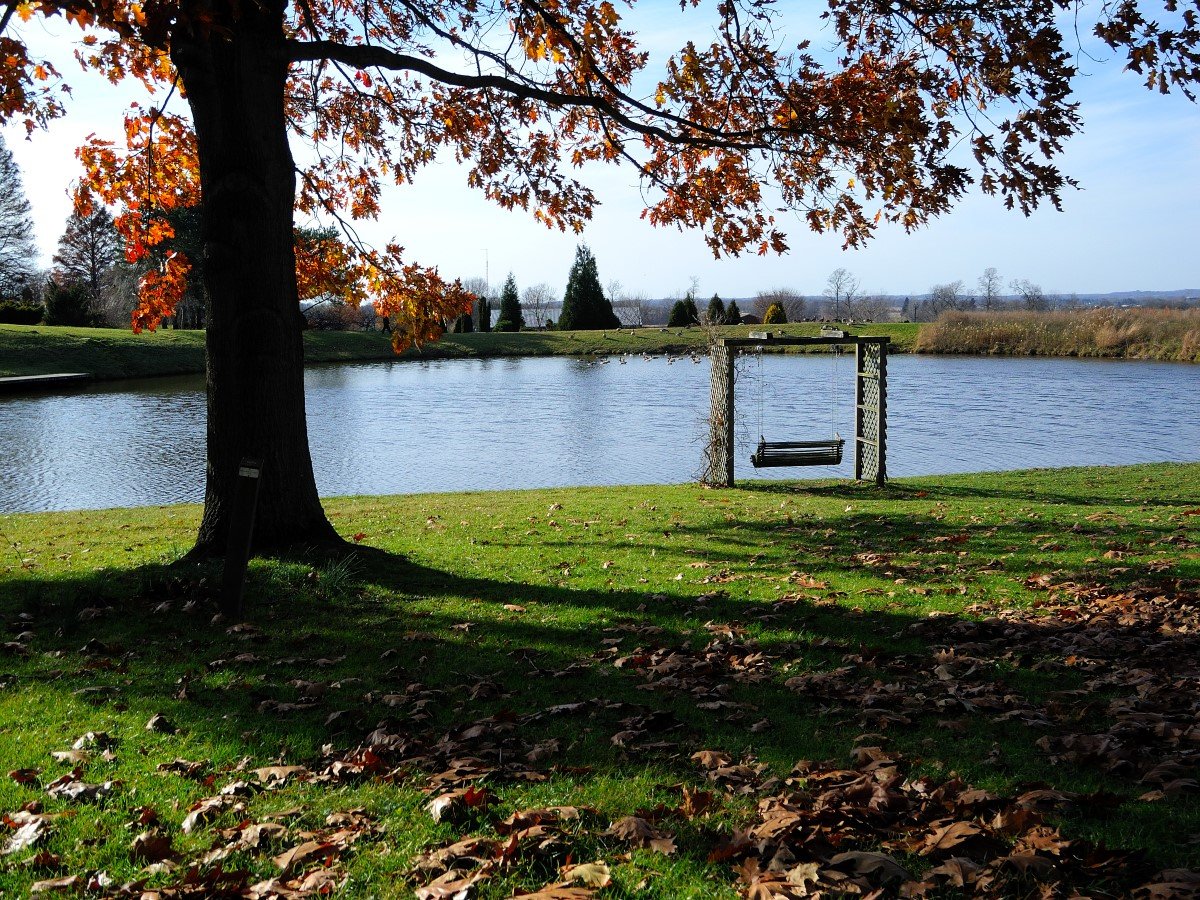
[384, 428]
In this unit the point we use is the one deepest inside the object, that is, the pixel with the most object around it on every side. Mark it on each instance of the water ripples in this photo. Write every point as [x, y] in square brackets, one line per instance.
[514, 423]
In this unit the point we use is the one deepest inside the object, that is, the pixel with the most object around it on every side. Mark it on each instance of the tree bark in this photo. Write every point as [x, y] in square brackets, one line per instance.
[235, 77]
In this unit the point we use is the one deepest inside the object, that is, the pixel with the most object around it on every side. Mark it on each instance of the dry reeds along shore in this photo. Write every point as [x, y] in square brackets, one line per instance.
[1162, 334]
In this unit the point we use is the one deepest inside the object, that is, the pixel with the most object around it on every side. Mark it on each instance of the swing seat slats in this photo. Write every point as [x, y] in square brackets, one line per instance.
[798, 453]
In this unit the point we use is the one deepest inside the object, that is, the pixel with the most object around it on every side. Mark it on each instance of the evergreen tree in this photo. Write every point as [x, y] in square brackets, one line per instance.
[693, 312]
[775, 315]
[733, 315]
[68, 304]
[584, 304]
[716, 311]
[464, 324]
[510, 307]
[483, 314]
[679, 317]
[18, 253]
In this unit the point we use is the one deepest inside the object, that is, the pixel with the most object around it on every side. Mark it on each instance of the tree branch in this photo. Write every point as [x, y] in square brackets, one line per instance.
[362, 57]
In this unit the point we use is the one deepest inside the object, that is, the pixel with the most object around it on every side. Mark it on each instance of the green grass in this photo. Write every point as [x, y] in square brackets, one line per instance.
[490, 608]
[109, 353]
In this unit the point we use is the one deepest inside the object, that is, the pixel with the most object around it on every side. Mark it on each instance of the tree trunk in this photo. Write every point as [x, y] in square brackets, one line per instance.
[234, 76]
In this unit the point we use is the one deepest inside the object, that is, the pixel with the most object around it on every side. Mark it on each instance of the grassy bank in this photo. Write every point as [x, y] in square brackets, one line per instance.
[112, 353]
[780, 688]
[1169, 335]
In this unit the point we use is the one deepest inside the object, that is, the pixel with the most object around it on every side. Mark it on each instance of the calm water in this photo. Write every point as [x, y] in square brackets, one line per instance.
[384, 428]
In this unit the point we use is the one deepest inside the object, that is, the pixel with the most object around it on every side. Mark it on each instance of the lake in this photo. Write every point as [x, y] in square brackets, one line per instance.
[384, 428]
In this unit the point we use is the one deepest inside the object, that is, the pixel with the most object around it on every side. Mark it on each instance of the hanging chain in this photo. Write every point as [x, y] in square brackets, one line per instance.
[762, 387]
[833, 424]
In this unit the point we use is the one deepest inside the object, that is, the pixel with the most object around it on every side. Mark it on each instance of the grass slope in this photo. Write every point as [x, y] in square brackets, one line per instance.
[576, 647]
[111, 353]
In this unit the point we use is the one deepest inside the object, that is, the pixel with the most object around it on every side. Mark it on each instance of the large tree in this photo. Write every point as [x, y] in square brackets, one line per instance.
[18, 253]
[523, 92]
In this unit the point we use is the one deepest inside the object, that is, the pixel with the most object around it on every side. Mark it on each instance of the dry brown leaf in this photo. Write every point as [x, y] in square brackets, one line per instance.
[151, 846]
[276, 776]
[289, 860]
[451, 885]
[28, 834]
[595, 874]
[56, 885]
[160, 723]
[202, 812]
[878, 864]
[558, 892]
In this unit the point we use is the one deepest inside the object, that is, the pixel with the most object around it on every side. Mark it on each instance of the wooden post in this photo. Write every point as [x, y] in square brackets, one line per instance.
[241, 532]
[859, 368]
[721, 417]
[881, 471]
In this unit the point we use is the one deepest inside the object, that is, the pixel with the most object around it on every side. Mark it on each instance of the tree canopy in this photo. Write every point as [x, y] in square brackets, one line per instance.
[890, 120]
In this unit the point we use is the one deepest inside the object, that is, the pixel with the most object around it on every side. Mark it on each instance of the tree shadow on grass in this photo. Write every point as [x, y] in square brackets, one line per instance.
[640, 678]
[1083, 487]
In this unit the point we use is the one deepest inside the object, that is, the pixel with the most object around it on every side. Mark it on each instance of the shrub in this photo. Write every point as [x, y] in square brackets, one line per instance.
[13, 313]
[68, 304]
[775, 315]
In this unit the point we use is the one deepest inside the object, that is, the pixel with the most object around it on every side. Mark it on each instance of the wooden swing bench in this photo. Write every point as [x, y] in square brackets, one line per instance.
[798, 453]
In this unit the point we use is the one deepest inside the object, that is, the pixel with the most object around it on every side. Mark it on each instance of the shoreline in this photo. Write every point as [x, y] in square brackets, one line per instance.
[110, 355]
[847, 485]
[115, 355]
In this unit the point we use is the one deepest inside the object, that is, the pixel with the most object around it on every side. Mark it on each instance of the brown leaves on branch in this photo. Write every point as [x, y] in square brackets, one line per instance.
[730, 130]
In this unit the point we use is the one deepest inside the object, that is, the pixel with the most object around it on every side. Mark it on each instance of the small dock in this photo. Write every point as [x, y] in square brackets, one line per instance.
[21, 384]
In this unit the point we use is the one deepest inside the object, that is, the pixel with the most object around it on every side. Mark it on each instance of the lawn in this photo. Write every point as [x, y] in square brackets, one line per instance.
[972, 685]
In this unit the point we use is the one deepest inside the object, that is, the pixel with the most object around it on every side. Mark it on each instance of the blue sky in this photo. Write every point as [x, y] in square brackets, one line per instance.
[1131, 227]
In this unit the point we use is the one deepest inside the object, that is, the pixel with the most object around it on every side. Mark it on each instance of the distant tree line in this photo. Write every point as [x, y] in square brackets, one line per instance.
[90, 283]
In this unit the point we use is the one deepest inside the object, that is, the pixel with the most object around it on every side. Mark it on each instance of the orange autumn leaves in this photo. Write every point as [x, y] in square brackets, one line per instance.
[157, 172]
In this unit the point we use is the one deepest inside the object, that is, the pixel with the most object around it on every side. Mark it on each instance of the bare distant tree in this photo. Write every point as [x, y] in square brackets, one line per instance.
[875, 308]
[841, 287]
[87, 250]
[989, 288]
[477, 285]
[943, 297]
[631, 309]
[118, 295]
[1032, 296]
[536, 301]
[793, 303]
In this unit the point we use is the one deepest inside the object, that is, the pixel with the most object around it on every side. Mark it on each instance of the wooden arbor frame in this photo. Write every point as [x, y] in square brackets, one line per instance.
[870, 401]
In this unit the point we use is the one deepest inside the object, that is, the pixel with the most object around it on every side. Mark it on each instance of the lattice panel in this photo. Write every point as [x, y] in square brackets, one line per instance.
[870, 423]
[870, 393]
[870, 461]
